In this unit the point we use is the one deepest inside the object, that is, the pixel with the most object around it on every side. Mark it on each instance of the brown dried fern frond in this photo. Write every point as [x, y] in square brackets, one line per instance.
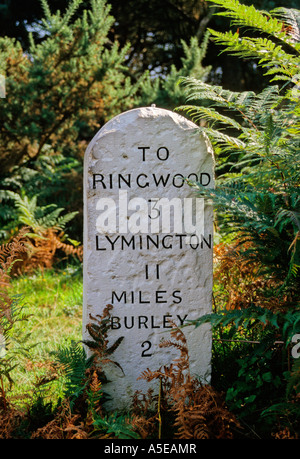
[69, 249]
[203, 414]
[143, 426]
[95, 384]
[199, 411]
[145, 413]
[285, 434]
[10, 254]
[242, 280]
[149, 375]
[182, 362]
[65, 426]
[10, 420]
[99, 345]
[42, 250]
[98, 330]
[141, 403]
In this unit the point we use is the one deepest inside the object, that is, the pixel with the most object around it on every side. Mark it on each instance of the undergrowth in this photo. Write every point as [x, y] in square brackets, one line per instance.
[51, 388]
[254, 391]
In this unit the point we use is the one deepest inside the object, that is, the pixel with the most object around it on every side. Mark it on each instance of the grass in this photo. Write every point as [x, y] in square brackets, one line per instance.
[53, 302]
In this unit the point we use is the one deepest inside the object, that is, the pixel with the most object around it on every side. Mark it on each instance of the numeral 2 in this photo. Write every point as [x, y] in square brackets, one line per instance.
[147, 345]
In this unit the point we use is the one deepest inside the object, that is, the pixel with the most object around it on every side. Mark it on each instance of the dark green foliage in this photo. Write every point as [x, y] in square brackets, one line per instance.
[74, 363]
[69, 82]
[38, 218]
[259, 380]
[155, 31]
[286, 323]
[165, 92]
[13, 316]
[256, 138]
[39, 414]
[118, 425]
[59, 92]
[251, 364]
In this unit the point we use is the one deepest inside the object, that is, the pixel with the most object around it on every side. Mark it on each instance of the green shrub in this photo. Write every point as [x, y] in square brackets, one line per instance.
[257, 144]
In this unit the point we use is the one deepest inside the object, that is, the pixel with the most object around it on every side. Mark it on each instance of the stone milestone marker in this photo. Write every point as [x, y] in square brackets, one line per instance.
[148, 242]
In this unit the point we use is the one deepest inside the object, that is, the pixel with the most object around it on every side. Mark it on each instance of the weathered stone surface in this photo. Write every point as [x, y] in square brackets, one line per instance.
[152, 275]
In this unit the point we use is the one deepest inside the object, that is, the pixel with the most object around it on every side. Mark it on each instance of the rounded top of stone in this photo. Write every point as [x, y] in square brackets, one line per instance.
[152, 121]
[153, 112]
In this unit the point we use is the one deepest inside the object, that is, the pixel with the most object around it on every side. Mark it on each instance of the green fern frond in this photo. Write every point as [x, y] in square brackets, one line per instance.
[46, 9]
[209, 114]
[228, 142]
[277, 51]
[39, 218]
[266, 100]
[285, 217]
[116, 424]
[249, 16]
[199, 90]
[238, 318]
[74, 362]
[291, 18]
[267, 52]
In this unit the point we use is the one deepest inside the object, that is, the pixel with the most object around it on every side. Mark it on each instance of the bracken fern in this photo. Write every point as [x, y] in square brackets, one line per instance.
[257, 142]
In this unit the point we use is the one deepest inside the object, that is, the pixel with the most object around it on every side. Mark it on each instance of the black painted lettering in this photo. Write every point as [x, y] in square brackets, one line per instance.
[182, 320]
[112, 242]
[181, 181]
[98, 180]
[97, 244]
[138, 181]
[158, 241]
[157, 211]
[144, 151]
[127, 324]
[129, 243]
[207, 178]
[115, 322]
[141, 301]
[195, 179]
[141, 242]
[166, 321]
[127, 181]
[195, 243]
[162, 179]
[163, 242]
[121, 298]
[147, 271]
[153, 323]
[176, 296]
[147, 345]
[208, 243]
[162, 153]
[143, 321]
[155, 243]
[180, 236]
[159, 296]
